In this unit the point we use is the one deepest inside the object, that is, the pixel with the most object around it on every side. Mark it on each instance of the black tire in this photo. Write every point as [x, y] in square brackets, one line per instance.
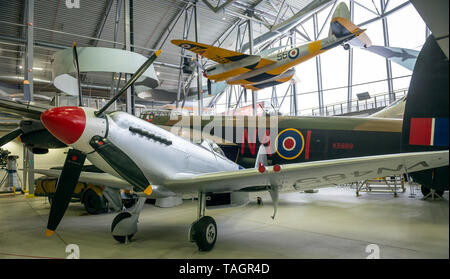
[205, 233]
[93, 203]
[346, 46]
[117, 219]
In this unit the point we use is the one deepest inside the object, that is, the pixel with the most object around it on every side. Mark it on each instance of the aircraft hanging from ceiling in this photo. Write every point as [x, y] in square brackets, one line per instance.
[255, 72]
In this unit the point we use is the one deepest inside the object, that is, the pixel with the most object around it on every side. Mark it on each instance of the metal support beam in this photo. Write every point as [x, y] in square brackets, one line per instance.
[127, 37]
[187, 24]
[30, 167]
[199, 74]
[250, 49]
[293, 41]
[384, 14]
[218, 8]
[101, 25]
[29, 56]
[132, 88]
[165, 35]
[388, 62]
[318, 68]
[28, 89]
[350, 65]
[116, 32]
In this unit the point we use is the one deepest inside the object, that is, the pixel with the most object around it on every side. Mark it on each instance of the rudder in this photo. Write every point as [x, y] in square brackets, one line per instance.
[341, 26]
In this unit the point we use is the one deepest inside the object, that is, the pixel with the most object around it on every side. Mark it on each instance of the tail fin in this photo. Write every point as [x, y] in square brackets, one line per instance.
[425, 122]
[427, 102]
[342, 26]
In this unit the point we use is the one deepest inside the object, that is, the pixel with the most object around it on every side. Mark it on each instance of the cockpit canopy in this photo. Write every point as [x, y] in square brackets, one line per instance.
[212, 146]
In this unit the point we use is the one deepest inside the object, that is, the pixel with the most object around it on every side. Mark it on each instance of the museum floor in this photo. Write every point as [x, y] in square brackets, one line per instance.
[332, 223]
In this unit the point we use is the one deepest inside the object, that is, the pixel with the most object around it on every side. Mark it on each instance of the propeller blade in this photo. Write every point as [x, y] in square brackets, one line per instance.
[77, 69]
[136, 75]
[209, 87]
[64, 188]
[10, 136]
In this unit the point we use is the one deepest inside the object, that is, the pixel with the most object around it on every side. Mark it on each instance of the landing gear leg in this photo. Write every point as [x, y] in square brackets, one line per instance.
[124, 225]
[204, 230]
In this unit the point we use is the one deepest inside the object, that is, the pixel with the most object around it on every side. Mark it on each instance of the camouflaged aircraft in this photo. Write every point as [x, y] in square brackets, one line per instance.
[255, 72]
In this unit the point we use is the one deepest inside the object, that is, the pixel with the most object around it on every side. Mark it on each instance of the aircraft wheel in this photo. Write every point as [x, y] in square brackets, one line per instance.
[93, 203]
[205, 233]
[346, 46]
[117, 219]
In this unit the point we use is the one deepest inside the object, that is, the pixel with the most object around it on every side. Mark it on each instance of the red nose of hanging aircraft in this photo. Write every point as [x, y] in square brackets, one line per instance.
[65, 123]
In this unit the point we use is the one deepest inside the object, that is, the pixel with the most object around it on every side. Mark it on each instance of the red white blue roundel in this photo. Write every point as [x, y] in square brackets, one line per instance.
[289, 144]
[293, 53]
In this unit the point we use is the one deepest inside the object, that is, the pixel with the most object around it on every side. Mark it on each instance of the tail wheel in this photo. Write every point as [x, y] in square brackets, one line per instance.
[346, 46]
[205, 233]
[93, 203]
[117, 219]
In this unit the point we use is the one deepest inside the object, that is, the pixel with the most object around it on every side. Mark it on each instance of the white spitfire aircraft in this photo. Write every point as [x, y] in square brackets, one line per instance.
[157, 164]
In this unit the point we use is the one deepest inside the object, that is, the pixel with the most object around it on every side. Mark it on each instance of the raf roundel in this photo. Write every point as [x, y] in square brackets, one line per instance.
[289, 144]
[293, 53]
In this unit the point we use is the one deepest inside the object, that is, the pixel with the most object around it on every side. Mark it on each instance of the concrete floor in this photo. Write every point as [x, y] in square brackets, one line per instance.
[332, 223]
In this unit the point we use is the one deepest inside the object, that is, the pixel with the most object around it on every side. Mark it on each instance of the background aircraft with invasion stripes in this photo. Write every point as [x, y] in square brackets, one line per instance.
[255, 72]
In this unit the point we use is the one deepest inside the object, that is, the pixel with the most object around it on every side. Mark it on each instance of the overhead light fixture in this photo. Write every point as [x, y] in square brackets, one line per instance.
[34, 68]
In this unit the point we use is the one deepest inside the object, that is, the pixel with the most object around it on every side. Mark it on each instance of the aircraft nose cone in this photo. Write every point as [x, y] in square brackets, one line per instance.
[65, 123]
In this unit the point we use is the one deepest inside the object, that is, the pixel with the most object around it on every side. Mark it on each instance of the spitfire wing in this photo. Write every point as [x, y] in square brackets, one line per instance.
[217, 54]
[312, 174]
[104, 179]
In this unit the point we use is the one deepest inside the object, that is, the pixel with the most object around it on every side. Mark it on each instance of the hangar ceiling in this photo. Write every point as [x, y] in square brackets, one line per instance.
[93, 24]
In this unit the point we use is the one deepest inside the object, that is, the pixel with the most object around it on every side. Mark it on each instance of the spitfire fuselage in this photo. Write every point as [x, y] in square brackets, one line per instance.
[159, 154]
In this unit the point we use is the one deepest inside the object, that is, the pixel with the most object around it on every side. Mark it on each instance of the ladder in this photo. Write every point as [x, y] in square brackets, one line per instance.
[389, 184]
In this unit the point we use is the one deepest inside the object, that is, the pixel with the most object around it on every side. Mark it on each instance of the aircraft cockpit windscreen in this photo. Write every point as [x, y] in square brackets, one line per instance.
[212, 146]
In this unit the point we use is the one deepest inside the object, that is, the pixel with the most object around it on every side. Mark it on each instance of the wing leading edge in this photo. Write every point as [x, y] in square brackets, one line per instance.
[312, 174]
[217, 54]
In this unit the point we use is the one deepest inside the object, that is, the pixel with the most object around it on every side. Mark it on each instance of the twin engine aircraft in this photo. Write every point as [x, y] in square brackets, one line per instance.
[255, 72]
